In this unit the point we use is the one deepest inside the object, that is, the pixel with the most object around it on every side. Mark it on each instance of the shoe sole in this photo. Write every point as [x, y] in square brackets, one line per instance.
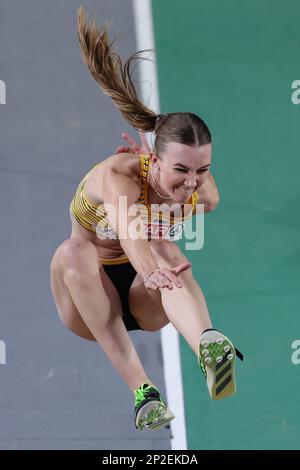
[163, 415]
[218, 355]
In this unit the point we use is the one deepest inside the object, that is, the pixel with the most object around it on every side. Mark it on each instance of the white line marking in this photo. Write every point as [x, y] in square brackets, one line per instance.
[169, 336]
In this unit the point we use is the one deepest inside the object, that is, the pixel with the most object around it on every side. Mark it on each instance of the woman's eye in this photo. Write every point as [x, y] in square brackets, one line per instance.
[183, 170]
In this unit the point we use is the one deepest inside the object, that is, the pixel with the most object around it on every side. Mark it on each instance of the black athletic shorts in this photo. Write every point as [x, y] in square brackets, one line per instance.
[122, 276]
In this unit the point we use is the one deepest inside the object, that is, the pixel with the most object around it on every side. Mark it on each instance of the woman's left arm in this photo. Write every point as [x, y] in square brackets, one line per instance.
[208, 194]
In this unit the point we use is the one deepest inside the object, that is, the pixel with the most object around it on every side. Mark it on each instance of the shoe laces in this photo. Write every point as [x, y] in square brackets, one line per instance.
[142, 392]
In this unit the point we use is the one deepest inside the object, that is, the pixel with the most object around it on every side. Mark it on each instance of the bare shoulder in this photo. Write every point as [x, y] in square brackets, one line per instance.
[123, 164]
[126, 164]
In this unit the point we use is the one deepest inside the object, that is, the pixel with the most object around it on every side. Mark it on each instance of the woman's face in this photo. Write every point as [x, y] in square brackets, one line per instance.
[182, 169]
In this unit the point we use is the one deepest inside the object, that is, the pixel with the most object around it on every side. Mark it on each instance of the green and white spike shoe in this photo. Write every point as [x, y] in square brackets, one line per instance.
[151, 411]
[217, 357]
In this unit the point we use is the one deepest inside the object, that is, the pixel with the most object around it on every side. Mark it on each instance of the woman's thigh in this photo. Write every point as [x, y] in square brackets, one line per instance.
[66, 308]
[146, 305]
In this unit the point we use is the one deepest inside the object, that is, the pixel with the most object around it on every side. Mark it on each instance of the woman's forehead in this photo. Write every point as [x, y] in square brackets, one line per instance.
[187, 154]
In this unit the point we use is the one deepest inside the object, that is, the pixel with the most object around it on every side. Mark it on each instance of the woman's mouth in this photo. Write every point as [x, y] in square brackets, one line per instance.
[185, 190]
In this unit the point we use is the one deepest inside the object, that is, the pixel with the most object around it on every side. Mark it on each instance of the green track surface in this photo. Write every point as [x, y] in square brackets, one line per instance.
[233, 63]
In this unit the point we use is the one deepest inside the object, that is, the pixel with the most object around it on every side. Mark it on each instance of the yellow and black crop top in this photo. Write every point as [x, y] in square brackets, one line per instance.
[94, 218]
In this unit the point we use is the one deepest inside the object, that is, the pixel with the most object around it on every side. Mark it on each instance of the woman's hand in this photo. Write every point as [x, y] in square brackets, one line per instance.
[142, 148]
[165, 277]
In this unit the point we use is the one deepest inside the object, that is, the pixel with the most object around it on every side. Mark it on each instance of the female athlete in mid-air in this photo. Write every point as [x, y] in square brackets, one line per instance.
[121, 270]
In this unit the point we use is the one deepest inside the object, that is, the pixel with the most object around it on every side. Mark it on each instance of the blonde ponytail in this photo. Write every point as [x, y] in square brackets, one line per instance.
[112, 76]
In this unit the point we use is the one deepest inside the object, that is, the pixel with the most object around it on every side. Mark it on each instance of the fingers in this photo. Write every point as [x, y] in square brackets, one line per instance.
[156, 283]
[181, 267]
[165, 277]
[134, 145]
[123, 150]
[151, 285]
[162, 279]
[171, 277]
[158, 279]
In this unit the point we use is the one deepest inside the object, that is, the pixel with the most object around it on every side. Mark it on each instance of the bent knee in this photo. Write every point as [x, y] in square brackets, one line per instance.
[77, 256]
[76, 248]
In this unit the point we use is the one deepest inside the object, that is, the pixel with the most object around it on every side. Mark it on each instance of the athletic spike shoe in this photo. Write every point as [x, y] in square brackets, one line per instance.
[150, 411]
[217, 357]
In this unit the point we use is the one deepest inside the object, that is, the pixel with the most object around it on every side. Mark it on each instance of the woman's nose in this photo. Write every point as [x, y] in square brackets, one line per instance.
[191, 181]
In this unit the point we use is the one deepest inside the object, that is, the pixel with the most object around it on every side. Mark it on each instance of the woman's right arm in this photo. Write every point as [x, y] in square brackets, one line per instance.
[137, 249]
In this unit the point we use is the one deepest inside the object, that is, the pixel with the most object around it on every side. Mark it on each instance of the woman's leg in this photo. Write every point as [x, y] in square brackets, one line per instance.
[89, 304]
[184, 307]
